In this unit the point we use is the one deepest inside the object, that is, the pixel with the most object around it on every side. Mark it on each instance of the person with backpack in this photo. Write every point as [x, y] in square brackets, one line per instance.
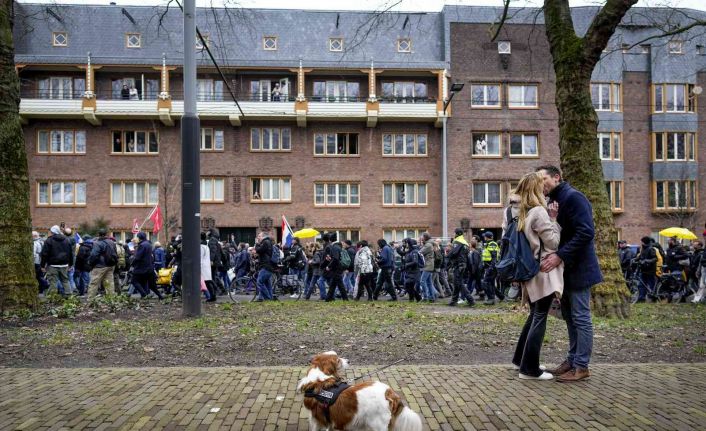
[364, 268]
[438, 263]
[491, 252]
[412, 264]
[82, 269]
[143, 276]
[316, 280]
[386, 263]
[349, 275]
[647, 261]
[268, 260]
[458, 265]
[103, 258]
[536, 224]
[335, 262]
[426, 281]
[295, 262]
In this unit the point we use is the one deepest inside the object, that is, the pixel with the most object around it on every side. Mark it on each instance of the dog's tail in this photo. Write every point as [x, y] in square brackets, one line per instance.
[407, 420]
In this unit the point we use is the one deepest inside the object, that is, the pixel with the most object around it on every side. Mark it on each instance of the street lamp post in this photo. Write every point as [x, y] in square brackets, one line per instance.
[455, 87]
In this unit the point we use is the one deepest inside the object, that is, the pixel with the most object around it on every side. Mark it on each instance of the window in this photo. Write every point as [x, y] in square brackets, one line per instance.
[524, 145]
[610, 146]
[133, 40]
[335, 44]
[336, 194]
[485, 95]
[206, 38]
[336, 144]
[61, 87]
[212, 190]
[270, 139]
[645, 49]
[504, 47]
[336, 91]
[674, 146]
[675, 46]
[404, 144]
[60, 38]
[522, 96]
[208, 90]
[61, 193]
[404, 194]
[675, 195]
[271, 190]
[486, 144]
[398, 234]
[486, 194]
[135, 142]
[138, 193]
[404, 45]
[124, 237]
[211, 140]
[674, 98]
[342, 234]
[615, 195]
[269, 43]
[404, 92]
[606, 96]
[61, 142]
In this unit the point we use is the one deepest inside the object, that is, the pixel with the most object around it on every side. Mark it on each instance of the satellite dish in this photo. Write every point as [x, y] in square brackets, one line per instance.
[697, 90]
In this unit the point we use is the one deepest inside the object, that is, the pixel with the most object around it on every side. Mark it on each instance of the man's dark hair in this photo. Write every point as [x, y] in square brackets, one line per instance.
[363, 243]
[325, 237]
[426, 236]
[550, 169]
[332, 236]
[348, 242]
[102, 232]
[458, 231]
[646, 240]
[382, 243]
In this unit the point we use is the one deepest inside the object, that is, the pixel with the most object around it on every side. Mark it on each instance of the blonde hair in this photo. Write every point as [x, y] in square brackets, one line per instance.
[530, 190]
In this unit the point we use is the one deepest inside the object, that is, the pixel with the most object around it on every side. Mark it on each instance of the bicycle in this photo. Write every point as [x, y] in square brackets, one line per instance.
[671, 287]
[242, 286]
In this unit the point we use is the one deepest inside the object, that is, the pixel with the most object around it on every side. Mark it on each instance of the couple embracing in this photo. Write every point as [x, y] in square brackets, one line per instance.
[561, 235]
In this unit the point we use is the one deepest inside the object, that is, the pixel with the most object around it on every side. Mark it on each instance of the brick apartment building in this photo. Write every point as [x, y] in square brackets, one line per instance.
[341, 119]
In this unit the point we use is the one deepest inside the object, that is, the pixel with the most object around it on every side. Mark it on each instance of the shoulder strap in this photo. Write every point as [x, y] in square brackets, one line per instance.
[509, 215]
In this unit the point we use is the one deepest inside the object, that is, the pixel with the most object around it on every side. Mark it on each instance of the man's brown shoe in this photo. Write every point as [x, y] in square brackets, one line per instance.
[561, 369]
[575, 375]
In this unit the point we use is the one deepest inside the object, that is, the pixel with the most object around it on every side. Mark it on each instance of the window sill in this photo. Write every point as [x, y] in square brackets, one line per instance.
[486, 107]
[319, 206]
[258, 202]
[498, 205]
[518, 156]
[405, 205]
[477, 156]
[406, 155]
[59, 154]
[61, 205]
[213, 202]
[523, 108]
[270, 151]
[352, 156]
[212, 151]
[132, 205]
[674, 210]
[134, 154]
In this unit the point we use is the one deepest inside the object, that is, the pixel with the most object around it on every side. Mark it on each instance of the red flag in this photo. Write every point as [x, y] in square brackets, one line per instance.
[156, 217]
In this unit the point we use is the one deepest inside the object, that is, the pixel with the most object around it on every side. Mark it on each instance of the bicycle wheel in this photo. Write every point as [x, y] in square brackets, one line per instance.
[663, 292]
[232, 291]
[633, 286]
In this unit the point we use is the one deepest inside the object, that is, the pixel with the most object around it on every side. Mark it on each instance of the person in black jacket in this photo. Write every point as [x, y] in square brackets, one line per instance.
[333, 271]
[458, 266]
[626, 256]
[647, 260]
[266, 267]
[56, 259]
[82, 268]
[675, 255]
[410, 264]
[386, 263]
[100, 270]
[143, 276]
[217, 265]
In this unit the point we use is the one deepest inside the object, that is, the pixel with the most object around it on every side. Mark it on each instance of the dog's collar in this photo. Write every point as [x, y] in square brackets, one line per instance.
[327, 397]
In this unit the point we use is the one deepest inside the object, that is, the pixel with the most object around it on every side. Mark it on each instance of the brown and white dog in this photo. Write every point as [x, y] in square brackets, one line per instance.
[363, 406]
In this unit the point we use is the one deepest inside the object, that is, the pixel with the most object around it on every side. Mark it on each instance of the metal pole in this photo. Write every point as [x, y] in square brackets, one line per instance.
[190, 175]
[444, 182]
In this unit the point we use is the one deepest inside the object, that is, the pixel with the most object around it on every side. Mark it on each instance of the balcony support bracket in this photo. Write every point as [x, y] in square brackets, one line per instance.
[301, 117]
[90, 115]
[165, 116]
[235, 120]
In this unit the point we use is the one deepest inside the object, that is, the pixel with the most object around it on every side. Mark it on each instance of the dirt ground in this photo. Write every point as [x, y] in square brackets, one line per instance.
[149, 333]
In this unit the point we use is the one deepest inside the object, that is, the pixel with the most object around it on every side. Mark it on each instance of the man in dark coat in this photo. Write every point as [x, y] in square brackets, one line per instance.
[581, 271]
[143, 276]
[57, 257]
[101, 271]
[333, 270]
[263, 248]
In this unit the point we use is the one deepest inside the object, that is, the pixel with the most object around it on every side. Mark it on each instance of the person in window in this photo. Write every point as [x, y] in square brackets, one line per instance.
[481, 147]
[134, 95]
[130, 146]
[256, 196]
[117, 144]
[125, 92]
[276, 93]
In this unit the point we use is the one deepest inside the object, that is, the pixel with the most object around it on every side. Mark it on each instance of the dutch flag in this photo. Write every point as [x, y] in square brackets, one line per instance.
[287, 234]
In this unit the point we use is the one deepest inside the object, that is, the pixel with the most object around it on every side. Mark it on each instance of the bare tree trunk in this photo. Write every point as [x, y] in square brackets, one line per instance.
[578, 127]
[18, 287]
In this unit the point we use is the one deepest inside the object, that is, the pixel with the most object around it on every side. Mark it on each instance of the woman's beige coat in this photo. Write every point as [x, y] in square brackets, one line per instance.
[539, 225]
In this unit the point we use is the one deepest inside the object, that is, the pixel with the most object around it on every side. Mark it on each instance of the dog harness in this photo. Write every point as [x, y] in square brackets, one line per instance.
[327, 397]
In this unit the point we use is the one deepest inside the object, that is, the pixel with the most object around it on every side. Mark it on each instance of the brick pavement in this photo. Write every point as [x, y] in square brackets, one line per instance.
[635, 397]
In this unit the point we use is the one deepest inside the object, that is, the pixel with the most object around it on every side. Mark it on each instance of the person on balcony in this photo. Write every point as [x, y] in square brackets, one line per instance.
[134, 95]
[125, 93]
[276, 93]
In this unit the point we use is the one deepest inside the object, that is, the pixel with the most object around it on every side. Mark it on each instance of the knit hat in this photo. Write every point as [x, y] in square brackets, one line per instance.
[56, 230]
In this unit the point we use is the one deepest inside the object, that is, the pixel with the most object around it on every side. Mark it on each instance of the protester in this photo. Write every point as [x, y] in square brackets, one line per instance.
[56, 259]
[676, 257]
[159, 256]
[701, 275]
[647, 261]
[364, 267]
[490, 254]
[216, 254]
[82, 268]
[410, 264]
[626, 256]
[333, 269]
[426, 281]
[386, 263]
[316, 280]
[581, 271]
[103, 258]
[538, 223]
[458, 264]
[266, 267]
[37, 244]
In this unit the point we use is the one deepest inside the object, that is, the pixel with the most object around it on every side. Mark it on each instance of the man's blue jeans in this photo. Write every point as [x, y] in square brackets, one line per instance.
[428, 291]
[647, 284]
[576, 309]
[83, 278]
[264, 284]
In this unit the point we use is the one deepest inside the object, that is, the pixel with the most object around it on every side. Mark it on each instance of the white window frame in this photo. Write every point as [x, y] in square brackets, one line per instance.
[486, 102]
[477, 145]
[676, 46]
[206, 37]
[284, 185]
[55, 42]
[486, 203]
[217, 139]
[332, 41]
[611, 137]
[340, 234]
[410, 188]
[129, 43]
[123, 185]
[523, 135]
[392, 137]
[397, 234]
[49, 185]
[522, 104]
[350, 199]
[616, 195]
[325, 137]
[212, 190]
[614, 103]
[75, 134]
[401, 42]
[504, 47]
[124, 142]
[266, 39]
[284, 137]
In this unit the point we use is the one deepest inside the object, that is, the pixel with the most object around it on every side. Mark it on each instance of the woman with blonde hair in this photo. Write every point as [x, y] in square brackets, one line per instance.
[538, 223]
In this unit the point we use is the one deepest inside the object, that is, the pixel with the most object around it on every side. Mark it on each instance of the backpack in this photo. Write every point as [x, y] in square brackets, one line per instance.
[420, 259]
[110, 255]
[517, 261]
[475, 263]
[300, 262]
[276, 257]
[659, 263]
[345, 259]
[121, 256]
[438, 259]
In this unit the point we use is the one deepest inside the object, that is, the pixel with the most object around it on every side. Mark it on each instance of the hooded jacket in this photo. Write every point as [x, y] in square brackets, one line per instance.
[57, 251]
[428, 253]
[458, 256]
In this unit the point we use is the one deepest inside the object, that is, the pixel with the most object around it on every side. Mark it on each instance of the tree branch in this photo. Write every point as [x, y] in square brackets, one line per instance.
[603, 27]
[670, 33]
[499, 25]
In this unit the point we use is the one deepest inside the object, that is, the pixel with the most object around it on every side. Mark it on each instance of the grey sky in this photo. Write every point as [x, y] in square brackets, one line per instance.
[405, 5]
